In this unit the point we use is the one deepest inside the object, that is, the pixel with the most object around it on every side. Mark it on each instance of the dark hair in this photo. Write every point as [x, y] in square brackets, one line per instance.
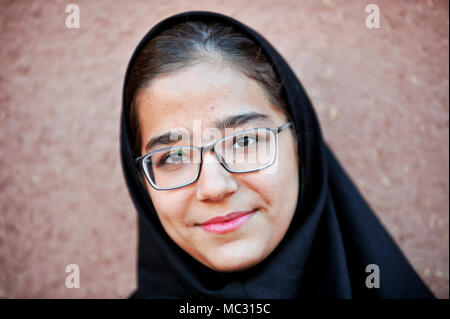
[189, 43]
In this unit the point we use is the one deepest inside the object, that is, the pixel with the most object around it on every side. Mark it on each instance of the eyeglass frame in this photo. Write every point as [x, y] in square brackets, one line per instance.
[208, 148]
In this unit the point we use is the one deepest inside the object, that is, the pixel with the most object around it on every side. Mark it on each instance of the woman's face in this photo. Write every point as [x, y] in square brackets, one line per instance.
[199, 96]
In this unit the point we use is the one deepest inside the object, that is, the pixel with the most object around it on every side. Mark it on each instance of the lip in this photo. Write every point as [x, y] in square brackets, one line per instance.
[227, 223]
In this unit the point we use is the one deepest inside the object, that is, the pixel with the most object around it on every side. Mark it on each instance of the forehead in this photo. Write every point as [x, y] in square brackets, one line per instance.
[205, 92]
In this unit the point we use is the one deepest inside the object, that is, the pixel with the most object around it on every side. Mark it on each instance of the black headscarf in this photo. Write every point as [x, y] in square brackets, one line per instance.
[332, 238]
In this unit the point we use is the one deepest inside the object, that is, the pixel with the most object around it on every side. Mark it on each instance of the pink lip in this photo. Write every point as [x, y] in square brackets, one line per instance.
[223, 224]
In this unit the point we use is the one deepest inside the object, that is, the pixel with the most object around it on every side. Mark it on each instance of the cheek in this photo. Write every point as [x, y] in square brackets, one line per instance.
[283, 172]
[170, 206]
[278, 185]
[268, 185]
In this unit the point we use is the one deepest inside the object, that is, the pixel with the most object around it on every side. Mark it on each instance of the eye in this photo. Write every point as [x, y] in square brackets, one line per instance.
[175, 157]
[244, 141]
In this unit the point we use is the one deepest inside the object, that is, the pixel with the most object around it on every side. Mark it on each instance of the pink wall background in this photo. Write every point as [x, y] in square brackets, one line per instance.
[381, 96]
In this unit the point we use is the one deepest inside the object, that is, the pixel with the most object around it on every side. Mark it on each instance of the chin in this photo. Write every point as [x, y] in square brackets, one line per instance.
[232, 267]
[233, 262]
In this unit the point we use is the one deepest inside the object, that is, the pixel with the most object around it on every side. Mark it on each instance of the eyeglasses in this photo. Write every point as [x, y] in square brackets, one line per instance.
[242, 152]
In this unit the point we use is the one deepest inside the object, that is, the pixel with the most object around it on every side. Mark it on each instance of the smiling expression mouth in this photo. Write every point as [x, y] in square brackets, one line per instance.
[227, 223]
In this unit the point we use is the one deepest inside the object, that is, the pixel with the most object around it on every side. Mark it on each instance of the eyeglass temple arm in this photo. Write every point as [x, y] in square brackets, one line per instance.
[284, 126]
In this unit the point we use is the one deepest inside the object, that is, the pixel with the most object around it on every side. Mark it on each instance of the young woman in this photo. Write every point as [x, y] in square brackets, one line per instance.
[237, 193]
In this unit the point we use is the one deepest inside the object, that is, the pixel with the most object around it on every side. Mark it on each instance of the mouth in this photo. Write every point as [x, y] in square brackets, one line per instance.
[227, 223]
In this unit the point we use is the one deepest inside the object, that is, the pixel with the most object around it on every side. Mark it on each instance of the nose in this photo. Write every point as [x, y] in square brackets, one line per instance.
[214, 182]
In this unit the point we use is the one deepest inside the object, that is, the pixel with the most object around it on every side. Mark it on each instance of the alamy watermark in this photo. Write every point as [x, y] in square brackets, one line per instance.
[373, 280]
[73, 280]
[211, 134]
[373, 17]
[73, 17]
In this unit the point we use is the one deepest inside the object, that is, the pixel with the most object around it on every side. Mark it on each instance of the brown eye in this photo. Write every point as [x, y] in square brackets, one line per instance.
[243, 141]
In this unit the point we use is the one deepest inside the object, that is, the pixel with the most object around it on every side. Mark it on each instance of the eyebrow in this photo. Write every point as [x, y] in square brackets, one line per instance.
[229, 121]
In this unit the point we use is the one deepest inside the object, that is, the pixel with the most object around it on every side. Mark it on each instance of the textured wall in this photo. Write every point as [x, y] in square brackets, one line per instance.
[381, 95]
